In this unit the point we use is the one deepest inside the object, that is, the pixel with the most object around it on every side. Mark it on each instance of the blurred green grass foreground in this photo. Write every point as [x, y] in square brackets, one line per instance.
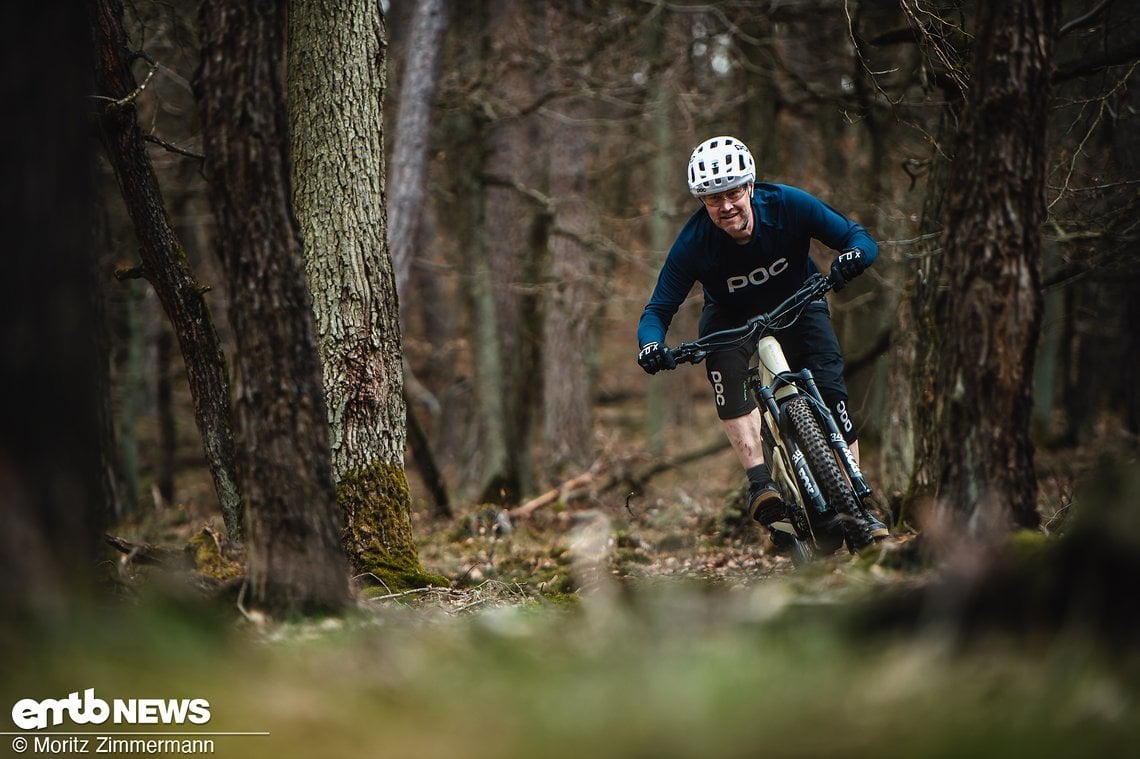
[673, 674]
[1032, 656]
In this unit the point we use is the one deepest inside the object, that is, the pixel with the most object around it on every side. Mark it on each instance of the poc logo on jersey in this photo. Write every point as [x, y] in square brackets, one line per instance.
[757, 276]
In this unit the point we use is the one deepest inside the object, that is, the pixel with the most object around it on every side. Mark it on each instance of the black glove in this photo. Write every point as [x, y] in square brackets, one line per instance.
[849, 265]
[654, 357]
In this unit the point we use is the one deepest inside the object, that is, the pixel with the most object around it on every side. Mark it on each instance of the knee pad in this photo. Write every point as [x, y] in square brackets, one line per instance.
[842, 416]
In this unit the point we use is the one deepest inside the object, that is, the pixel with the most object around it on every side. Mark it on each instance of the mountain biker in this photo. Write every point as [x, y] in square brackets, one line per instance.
[748, 247]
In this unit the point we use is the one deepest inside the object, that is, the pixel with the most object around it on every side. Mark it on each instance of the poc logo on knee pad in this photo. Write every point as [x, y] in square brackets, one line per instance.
[843, 416]
[718, 386]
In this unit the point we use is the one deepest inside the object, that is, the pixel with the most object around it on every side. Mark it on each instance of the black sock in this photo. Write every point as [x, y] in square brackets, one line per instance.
[759, 474]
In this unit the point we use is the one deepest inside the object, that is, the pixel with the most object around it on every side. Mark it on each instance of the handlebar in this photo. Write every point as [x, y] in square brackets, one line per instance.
[781, 317]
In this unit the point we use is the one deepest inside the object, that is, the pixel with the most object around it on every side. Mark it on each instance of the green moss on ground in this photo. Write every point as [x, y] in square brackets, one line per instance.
[211, 560]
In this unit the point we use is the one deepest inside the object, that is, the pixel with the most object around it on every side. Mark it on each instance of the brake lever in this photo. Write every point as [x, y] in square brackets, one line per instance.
[687, 355]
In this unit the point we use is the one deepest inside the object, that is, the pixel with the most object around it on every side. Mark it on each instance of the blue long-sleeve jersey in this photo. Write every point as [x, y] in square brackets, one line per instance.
[752, 278]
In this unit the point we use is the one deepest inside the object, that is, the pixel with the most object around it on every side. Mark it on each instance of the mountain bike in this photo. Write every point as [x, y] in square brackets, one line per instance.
[813, 467]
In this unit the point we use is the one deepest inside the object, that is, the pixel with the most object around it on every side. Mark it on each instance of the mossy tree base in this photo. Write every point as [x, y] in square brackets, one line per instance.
[214, 560]
[378, 529]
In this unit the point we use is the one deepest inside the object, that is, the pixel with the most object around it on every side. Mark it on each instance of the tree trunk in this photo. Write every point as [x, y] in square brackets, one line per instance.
[498, 482]
[408, 174]
[164, 411]
[429, 471]
[508, 330]
[108, 453]
[987, 316]
[50, 463]
[663, 190]
[407, 190]
[103, 262]
[133, 391]
[296, 564]
[914, 343]
[759, 114]
[337, 69]
[467, 129]
[572, 296]
[913, 347]
[570, 324]
[163, 258]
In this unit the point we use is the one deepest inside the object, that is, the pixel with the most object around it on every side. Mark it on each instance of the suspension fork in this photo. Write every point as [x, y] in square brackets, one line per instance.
[809, 488]
[835, 438]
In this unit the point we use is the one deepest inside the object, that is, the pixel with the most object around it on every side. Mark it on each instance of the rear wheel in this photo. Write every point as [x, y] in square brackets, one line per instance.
[828, 475]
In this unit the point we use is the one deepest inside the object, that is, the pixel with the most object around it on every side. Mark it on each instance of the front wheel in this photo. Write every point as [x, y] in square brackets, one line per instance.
[800, 553]
[836, 490]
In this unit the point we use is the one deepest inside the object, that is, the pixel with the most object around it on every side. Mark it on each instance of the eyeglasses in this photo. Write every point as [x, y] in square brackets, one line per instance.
[733, 195]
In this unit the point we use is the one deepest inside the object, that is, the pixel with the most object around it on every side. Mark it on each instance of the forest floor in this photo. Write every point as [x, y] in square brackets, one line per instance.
[674, 531]
[656, 625]
[573, 548]
[680, 527]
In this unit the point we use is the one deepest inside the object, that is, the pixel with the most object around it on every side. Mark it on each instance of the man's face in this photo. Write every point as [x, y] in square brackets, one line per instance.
[731, 210]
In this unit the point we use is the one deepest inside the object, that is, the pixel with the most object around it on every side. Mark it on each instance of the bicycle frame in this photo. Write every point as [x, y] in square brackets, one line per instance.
[775, 386]
[772, 384]
[772, 380]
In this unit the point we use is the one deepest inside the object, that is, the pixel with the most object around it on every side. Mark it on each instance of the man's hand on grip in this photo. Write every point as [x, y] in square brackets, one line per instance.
[847, 266]
[654, 357]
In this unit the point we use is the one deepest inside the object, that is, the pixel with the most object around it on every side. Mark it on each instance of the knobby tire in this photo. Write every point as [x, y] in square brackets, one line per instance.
[827, 473]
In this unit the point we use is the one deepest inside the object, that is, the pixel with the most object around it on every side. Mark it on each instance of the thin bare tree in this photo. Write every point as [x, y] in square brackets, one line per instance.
[407, 176]
[407, 183]
[164, 263]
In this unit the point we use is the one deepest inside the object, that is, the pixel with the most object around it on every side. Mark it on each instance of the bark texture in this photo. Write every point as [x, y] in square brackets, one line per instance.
[337, 67]
[982, 318]
[296, 564]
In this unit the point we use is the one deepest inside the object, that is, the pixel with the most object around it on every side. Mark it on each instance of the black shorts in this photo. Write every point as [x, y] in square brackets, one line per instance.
[809, 343]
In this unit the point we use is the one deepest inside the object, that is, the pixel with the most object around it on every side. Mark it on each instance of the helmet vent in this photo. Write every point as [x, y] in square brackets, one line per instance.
[720, 163]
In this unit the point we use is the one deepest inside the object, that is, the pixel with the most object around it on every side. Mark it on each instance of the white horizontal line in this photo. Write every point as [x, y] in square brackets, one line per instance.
[118, 732]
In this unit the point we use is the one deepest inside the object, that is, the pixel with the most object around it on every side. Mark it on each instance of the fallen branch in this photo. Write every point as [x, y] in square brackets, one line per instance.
[597, 479]
[639, 479]
[552, 495]
[144, 553]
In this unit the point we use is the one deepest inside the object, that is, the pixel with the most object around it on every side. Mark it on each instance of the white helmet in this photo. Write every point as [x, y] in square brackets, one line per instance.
[719, 164]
